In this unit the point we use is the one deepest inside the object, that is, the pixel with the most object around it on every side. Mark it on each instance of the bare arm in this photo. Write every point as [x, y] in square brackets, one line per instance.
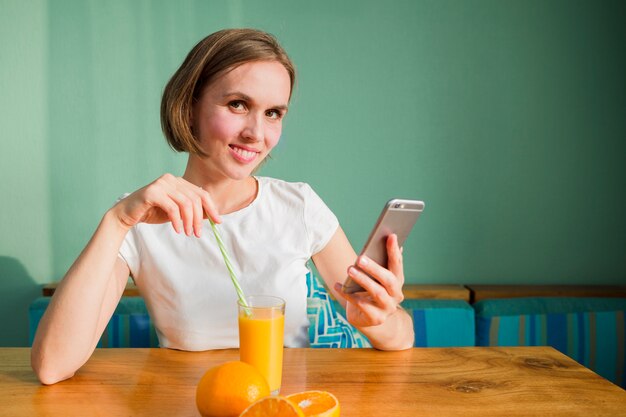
[376, 312]
[85, 300]
[81, 306]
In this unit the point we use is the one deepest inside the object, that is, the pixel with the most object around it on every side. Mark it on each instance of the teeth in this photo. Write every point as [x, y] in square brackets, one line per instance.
[245, 154]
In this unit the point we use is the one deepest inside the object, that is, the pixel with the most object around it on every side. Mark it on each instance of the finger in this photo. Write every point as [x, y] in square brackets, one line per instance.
[394, 256]
[198, 215]
[339, 290]
[376, 291]
[190, 197]
[374, 315]
[166, 196]
[210, 210]
[186, 209]
[346, 297]
[193, 193]
[203, 205]
[374, 310]
[173, 213]
[382, 275]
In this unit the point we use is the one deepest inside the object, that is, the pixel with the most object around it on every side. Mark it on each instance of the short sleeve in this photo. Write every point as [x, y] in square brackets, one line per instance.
[129, 251]
[320, 222]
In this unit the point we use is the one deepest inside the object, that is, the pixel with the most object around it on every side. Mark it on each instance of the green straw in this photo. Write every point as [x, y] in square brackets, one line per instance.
[229, 265]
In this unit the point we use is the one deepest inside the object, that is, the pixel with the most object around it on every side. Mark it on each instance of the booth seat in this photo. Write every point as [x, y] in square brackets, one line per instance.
[589, 330]
[441, 323]
[130, 325]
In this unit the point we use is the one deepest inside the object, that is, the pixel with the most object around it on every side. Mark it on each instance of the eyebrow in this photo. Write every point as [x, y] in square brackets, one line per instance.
[246, 97]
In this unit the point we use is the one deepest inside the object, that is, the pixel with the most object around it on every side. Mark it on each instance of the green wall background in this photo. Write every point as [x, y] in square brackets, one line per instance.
[506, 117]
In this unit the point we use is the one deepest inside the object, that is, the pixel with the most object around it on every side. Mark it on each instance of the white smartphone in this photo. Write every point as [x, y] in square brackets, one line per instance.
[398, 216]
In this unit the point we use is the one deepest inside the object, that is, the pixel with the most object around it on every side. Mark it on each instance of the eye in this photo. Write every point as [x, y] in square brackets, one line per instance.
[237, 105]
[274, 114]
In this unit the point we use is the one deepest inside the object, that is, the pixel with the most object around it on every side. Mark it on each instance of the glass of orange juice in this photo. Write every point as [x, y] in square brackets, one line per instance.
[261, 329]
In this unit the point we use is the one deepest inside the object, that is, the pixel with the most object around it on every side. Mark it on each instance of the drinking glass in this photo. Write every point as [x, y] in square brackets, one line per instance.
[261, 329]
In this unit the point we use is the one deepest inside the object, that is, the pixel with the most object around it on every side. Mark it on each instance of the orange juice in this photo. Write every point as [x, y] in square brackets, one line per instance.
[261, 329]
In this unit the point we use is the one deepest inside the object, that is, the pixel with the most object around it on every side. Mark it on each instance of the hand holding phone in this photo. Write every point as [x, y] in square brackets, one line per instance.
[398, 217]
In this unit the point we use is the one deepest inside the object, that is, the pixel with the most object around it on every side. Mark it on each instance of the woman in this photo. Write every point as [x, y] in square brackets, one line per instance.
[224, 106]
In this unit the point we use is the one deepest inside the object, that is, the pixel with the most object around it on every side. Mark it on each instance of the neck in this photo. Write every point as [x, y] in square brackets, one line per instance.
[228, 194]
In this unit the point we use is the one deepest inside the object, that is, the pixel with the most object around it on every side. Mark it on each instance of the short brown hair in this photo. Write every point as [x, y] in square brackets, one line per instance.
[211, 57]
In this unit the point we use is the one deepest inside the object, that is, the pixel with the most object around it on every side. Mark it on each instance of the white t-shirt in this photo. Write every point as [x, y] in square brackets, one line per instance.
[185, 283]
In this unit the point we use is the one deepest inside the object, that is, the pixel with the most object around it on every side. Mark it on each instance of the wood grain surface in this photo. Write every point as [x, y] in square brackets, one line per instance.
[436, 292]
[484, 292]
[424, 291]
[475, 381]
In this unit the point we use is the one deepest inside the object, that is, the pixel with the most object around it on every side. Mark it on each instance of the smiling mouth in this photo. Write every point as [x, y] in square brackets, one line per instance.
[243, 154]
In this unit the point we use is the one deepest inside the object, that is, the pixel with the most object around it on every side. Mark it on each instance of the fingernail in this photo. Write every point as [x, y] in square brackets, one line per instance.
[363, 260]
[352, 271]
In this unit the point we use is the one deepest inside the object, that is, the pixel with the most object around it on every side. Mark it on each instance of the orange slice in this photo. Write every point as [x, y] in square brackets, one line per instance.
[316, 403]
[273, 406]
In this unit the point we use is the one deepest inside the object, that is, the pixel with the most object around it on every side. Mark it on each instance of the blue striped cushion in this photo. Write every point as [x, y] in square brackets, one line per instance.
[441, 323]
[130, 325]
[589, 330]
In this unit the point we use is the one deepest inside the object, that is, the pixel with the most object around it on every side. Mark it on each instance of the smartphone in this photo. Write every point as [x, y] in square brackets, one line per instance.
[398, 216]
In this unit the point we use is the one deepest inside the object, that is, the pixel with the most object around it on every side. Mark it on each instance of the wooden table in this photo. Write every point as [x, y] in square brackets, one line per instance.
[520, 381]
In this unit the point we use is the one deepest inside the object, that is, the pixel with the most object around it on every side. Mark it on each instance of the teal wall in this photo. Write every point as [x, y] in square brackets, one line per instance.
[506, 117]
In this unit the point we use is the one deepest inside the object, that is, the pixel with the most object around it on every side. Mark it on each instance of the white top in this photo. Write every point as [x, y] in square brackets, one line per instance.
[185, 283]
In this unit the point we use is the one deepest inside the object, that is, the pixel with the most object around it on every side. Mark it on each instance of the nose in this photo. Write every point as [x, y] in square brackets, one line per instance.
[253, 129]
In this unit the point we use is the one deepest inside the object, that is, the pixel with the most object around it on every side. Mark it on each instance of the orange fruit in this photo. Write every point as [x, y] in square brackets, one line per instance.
[316, 403]
[273, 406]
[226, 390]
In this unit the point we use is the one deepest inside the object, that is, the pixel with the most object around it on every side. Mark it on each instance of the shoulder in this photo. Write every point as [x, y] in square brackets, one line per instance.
[293, 195]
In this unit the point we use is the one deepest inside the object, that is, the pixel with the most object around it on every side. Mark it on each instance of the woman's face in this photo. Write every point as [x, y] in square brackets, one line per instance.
[238, 117]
